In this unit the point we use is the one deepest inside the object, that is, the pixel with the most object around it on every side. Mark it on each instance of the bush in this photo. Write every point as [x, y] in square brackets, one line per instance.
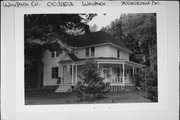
[152, 90]
[92, 86]
[152, 93]
[138, 80]
[147, 80]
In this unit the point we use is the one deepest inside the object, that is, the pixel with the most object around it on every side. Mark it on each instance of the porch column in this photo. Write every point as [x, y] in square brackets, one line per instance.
[66, 80]
[133, 69]
[60, 73]
[76, 75]
[62, 79]
[123, 73]
[72, 73]
[97, 65]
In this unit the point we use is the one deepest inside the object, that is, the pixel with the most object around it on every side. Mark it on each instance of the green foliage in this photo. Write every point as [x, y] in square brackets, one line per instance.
[147, 80]
[49, 31]
[138, 79]
[92, 86]
[152, 89]
[152, 78]
[138, 32]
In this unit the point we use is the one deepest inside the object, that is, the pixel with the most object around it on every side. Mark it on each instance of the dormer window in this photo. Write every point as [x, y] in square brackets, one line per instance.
[54, 54]
[118, 54]
[90, 52]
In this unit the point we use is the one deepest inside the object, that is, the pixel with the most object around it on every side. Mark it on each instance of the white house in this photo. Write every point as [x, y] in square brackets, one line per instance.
[111, 56]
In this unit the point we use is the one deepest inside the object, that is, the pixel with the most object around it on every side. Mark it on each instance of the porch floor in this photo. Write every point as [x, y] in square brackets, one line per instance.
[34, 97]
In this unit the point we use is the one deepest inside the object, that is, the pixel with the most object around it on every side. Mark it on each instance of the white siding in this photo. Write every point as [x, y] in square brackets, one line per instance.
[100, 51]
[113, 53]
[124, 55]
[48, 64]
[80, 53]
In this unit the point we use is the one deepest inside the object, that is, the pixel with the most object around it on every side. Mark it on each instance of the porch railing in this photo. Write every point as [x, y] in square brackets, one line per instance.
[119, 80]
[116, 80]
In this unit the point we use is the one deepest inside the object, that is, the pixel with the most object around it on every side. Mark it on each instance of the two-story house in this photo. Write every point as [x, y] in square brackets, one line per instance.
[111, 56]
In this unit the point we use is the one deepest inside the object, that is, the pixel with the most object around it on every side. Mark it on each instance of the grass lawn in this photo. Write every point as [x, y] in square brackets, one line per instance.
[34, 97]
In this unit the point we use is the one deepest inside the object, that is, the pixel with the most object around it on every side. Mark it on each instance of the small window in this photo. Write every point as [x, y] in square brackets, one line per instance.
[92, 51]
[54, 72]
[54, 54]
[118, 54]
[87, 52]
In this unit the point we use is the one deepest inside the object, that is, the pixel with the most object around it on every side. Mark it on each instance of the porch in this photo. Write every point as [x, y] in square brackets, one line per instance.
[117, 73]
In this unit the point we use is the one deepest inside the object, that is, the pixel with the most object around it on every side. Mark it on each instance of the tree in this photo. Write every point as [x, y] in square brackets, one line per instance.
[49, 31]
[92, 86]
[138, 33]
[93, 28]
[138, 79]
[152, 78]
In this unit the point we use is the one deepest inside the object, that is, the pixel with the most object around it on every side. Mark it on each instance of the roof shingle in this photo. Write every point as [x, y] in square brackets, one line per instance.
[94, 38]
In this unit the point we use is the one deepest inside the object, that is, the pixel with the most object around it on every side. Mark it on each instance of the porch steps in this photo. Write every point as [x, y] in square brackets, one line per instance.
[64, 88]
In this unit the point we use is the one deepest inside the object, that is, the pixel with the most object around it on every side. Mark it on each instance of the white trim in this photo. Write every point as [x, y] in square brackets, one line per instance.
[65, 55]
[110, 61]
[121, 84]
[72, 72]
[136, 64]
[91, 46]
[118, 62]
[108, 43]
[76, 74]
[123, 73]
[121, 48]
[55, 54]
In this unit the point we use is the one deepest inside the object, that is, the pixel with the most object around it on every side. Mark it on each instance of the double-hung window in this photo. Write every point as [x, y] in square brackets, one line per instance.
[54, 54]
[54, 72]
[90, 52]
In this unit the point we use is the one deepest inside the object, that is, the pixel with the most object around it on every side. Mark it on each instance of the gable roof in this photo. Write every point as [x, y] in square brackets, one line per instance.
[73, 56]
[94, 38]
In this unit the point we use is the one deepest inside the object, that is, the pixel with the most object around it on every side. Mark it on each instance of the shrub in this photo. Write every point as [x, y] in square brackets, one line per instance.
[92, 86]
[147, 80]
[152, 90]
[138, 79]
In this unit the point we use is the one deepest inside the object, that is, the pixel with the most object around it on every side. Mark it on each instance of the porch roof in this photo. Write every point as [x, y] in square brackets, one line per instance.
[116, 62]
[107, 60]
